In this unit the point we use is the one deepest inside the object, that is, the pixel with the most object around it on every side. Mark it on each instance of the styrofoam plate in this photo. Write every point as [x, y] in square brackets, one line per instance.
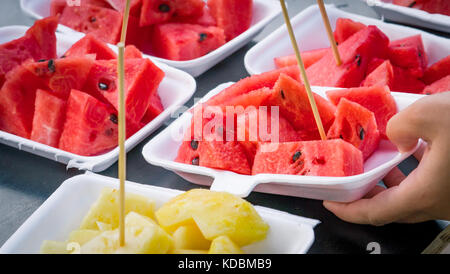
[410, 16]
[63, 212]
[264, 11]
[162, 150]
[311, 34]
[176, 89]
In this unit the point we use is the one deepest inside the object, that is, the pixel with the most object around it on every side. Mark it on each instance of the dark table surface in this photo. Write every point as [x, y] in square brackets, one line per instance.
[26, 180]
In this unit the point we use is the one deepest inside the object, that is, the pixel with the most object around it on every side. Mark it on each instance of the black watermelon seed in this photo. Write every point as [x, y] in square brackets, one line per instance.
[358, 60]
[412, 4]
[194, 144]
[114, 118]
[196, 161]
[42, 60]
[282, 94]
[103, 86]
[296, 156]
[64, 56]
[340, 136]
[92, 19]
[203, 37]
[361, 133]
[164, 8]
[51, 65]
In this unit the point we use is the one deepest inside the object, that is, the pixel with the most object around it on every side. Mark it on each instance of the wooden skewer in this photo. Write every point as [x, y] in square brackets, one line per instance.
[303, 72]
[122, 124]
[333, 43]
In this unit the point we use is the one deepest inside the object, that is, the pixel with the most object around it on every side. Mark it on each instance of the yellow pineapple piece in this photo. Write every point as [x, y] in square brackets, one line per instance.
[83, 236]
[190, 237]
[142, 236]
[106, 209]
[189, 251]
[54, 247]
[224, 245]
[216, 214]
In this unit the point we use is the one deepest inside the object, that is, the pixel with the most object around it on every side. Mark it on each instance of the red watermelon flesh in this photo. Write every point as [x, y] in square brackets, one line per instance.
[189, 7]
[63, 75]
[156, 11]
[405, 3]
[89, 44]
[356, 52]
[377, 99]
[434, 6]
[119, 5]
[57, 6]
[331, 158]
[139, 36]
[254, 98]
[409, 54]
[38, 43]
[308, 57]
[405, 82]
[89, 128]
[177, 41]
[142, 79]
[292, 98]
[251, 83]
[103, 23]
[206, 19]
[437, 71]
[373, 64]
[154, 109]
[131, 52]
[357, 125]
[234, 16]
[345, 28]
[383, 75]
[441, 85]
[49, 117]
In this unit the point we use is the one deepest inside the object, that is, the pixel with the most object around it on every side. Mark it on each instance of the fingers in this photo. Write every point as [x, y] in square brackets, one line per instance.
[394, 177]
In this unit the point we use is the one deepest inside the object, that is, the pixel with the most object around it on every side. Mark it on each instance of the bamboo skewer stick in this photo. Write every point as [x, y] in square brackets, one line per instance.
[333, 43]
[122, 124]
[303, 72]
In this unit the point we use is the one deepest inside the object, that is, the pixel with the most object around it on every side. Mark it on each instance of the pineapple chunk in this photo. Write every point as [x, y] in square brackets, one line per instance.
[224, 245]
[142, 236]
[190, 237]
[216, 214]
[53, 247]
[83, 236]
[106, 209]
[189, 251]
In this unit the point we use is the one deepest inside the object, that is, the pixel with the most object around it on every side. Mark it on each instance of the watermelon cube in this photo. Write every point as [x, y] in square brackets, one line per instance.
[256, 98]
[356, 52]
[357, 125]
[192, 8]
[435, 6]
[409, 53]
[154, 109]
[89, 44]
[437, 71]
[103, 23]
[331, 158]
[177, 41]
[404, 81]
[206, 19]
[234, 16]
[308, 57]
[377, 99]
[156, 11]
[49, 117]
[373, 64]
[142, 79]
[441, 85]
[383, 75]
[90, 127]
[131, 52]
[345, 28]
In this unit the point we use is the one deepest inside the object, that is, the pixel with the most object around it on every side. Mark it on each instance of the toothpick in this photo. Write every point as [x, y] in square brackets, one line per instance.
[303, 72]
[333, 43]
[122, 124]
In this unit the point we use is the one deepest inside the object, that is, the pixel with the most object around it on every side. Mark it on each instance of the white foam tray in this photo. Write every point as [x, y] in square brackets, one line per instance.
[63, 212]
[176, 89]
[410, 16]
[311, 34]
[264, 11]
[163, 149]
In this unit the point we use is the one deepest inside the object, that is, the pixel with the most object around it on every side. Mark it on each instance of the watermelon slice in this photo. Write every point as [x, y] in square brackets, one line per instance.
[142, 79]
[103, 23]
[437, 71]
[409, 53]
[292, 98]
[206, 19]
[332, 158]
[89, 44]
[356, 52]
[309, 58]
[38, 43]
[383, 75]
[131, 52]
[377, 99]
[156, 11]
[441, 85]
[357, 125]
[405, 82]
[176, 41]
[90, 127]
[49, 117]
[234, 16]
[345, 28]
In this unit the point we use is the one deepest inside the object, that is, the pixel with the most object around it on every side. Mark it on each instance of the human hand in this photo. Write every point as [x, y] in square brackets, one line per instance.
[425, 193]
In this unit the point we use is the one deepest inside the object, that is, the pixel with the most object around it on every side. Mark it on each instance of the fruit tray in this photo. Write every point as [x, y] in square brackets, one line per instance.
[264, 12]
[309, 24]
[410, 16]
[176, 89]
[63, 212]
[162, 150]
